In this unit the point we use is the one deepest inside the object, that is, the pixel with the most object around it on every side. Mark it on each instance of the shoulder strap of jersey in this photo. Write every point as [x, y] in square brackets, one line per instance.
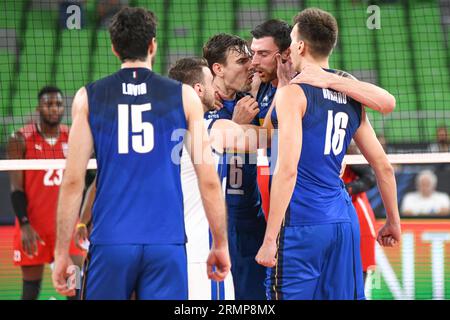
[209, 124]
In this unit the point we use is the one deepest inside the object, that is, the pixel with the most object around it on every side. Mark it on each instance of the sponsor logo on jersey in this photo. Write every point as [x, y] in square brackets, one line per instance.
[212, 115]
[38, 147]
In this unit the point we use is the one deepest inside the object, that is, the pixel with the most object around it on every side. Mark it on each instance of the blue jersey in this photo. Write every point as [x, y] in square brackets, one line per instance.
[266, 93]
[242, 191]
[133, 114]
[330, 121]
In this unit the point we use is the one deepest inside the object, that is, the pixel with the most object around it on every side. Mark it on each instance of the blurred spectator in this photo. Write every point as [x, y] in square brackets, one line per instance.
[426, 200]
[442, 143]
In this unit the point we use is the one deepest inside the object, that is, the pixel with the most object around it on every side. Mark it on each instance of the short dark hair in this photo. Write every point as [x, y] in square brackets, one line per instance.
[131, 31]
[188, 70]
[319, 29]
[48, 89]
[217, 48]
[279, 30]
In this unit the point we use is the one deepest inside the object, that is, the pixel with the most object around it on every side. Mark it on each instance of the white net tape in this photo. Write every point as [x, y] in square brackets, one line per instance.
[412, 158]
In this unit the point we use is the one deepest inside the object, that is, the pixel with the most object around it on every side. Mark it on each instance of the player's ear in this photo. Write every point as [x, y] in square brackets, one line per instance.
[285, 54]
[152, 47]
[199, 89]
[301, 47]
[114, 51]
[38, 106]
[217, 69]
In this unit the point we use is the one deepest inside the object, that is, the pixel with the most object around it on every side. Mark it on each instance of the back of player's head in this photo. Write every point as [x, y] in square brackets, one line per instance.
[318, 29]
[218, 47]
[277, 29]
[47, 90]
[131, 31]
[188, 70]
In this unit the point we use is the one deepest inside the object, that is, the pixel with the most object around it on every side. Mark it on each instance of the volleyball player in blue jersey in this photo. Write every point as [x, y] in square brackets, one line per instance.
[270, 48]
[271, 61]
[225, 135]
[138, 237]
[229, 58]
[312, 237]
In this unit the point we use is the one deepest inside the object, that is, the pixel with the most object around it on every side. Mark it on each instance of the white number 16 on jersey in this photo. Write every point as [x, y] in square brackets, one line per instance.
[335, 142]
[143, 139]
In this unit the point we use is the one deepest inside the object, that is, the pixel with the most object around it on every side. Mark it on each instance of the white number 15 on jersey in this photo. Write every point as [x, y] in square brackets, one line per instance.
[143, 139]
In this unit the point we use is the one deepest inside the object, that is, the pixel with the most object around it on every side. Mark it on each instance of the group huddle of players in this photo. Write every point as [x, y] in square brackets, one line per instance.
[165, 229]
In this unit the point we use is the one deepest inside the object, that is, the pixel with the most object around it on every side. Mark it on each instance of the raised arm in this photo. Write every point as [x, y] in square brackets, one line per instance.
[367, 94]
[228, 135]
[290, 106]
[71, 192]
[199, 148]
[372, 150]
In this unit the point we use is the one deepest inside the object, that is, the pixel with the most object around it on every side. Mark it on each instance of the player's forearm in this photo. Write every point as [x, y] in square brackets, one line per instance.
[69, 203]
[366, 93]
[254, 137]
[388, 190]
[215, 209]
[281, 192]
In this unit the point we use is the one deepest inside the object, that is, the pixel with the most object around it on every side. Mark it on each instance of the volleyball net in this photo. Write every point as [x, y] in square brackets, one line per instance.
[402, 46]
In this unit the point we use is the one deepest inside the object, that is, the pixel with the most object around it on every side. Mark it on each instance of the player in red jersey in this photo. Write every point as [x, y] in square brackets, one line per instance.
[34, 193]
[358, 179]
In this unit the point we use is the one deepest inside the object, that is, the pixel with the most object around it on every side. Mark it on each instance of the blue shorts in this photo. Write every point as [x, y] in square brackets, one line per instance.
[317, 262]
[114, 272]
[245, 237]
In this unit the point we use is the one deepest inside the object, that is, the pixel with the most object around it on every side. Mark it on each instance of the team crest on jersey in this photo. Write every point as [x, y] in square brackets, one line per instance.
[265, 101]
[65, 149]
